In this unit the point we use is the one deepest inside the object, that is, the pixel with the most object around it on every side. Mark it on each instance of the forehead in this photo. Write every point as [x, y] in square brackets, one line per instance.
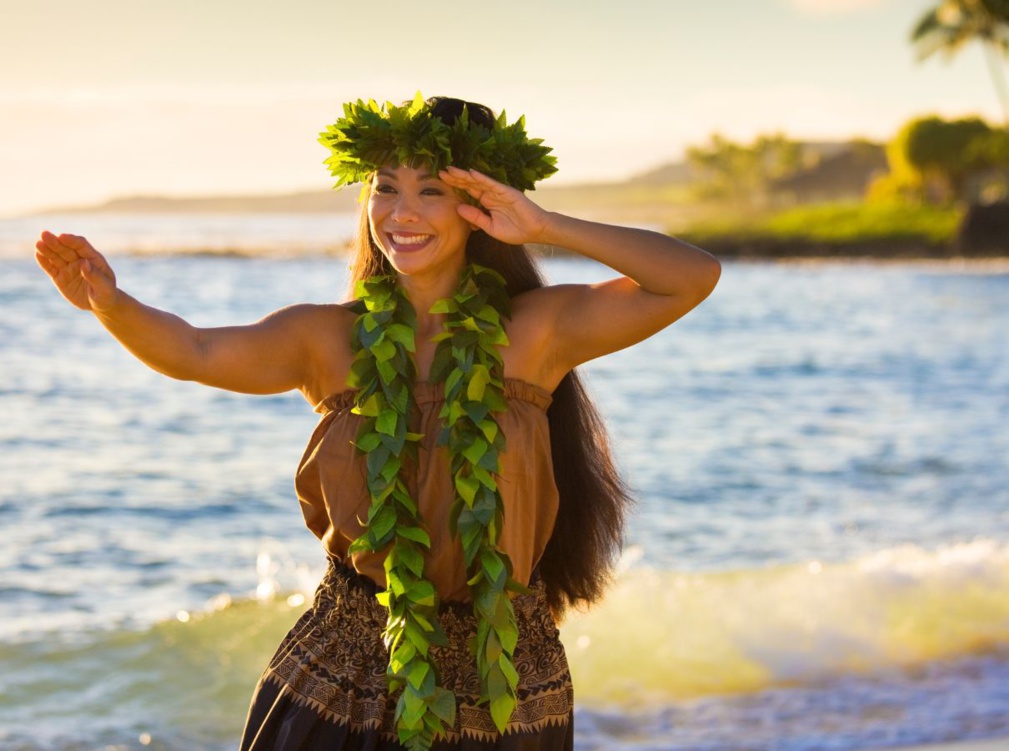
[401, 172]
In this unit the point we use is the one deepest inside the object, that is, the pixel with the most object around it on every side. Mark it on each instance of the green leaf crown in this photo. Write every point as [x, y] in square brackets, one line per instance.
[369, 137]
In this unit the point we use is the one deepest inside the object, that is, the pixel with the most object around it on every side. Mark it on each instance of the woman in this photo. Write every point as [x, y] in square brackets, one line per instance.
[459, 477]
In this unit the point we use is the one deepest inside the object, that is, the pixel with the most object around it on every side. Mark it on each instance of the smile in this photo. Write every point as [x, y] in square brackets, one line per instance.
[408, 242]
[410, 239]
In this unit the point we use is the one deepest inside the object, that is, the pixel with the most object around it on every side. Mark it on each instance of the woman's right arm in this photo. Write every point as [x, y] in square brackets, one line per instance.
[271, 356]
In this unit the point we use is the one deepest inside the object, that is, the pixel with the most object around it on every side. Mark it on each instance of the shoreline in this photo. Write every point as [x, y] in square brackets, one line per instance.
[898, 249]
[810, 256]
[328, 234]
[761, 249]
[996, 263]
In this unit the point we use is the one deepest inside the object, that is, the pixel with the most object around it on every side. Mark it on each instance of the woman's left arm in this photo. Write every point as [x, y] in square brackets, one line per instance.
[663, 278]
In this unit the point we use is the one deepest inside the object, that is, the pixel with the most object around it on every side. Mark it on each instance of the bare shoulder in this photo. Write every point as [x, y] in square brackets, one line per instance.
[545, 302]
[532, 354]
[325, 330]
[538, 309]
[311, 323]
[336, 314]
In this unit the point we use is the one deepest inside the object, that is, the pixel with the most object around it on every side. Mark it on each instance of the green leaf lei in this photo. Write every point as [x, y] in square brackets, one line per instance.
[369, 137]
[469, 364]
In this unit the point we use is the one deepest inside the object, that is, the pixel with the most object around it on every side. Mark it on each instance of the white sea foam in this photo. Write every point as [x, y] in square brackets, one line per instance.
[662, 635]
[798, 658]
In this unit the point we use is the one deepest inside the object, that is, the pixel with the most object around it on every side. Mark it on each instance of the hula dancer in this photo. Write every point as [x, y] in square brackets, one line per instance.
[459, 478]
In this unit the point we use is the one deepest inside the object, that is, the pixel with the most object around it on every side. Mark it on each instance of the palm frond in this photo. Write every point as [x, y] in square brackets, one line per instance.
[926, 26]
[998, 8]
[949, 26]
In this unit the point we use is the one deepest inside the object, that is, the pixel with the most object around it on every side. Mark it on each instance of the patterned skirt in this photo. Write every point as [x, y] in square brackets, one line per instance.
[325, 688]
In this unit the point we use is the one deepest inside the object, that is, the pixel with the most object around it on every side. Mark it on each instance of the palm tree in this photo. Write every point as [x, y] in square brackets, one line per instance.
[953, 23]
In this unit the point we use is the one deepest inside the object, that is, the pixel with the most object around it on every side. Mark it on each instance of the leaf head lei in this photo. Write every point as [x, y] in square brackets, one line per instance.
[469, 364]
[370, 136]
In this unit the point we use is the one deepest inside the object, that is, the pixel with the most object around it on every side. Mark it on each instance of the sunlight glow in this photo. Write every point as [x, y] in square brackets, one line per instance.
[834, 6]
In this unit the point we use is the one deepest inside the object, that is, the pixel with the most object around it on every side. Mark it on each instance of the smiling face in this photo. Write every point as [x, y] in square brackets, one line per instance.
[414, 222]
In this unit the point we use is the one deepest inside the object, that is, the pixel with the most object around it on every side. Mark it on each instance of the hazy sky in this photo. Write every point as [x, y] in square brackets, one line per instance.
[108, 98]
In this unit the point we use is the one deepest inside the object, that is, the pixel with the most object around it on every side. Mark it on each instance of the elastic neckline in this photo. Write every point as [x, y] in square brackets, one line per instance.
[434, 393]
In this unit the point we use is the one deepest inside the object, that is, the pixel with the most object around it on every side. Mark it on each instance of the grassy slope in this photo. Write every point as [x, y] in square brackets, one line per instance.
[837, 223]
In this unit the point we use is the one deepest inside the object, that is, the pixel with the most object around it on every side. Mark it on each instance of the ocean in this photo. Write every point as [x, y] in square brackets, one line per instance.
[818, 558]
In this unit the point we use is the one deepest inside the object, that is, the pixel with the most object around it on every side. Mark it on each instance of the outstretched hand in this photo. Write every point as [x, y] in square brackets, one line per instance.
[510, 216]
[80, 273]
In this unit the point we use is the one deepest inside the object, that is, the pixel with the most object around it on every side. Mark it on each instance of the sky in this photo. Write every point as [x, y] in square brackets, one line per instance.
[112, 98]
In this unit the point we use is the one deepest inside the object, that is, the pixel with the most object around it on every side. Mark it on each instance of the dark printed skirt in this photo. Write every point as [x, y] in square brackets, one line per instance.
[325, 689]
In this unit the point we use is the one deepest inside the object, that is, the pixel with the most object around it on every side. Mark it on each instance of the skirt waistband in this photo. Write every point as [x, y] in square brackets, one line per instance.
[353, 577]
[358, 581]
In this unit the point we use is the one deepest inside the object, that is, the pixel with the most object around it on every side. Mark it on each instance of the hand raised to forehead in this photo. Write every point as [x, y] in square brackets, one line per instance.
[509, 215]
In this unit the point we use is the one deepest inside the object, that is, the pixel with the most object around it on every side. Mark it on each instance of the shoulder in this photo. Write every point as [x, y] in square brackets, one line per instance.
[546, 299]
[311, 323]
[338, 314]
[532, 354]
[325, 332]
[307, 322]
[538, 309]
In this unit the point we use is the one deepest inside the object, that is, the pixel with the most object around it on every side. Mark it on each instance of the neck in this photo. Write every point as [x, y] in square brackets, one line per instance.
[424, 292]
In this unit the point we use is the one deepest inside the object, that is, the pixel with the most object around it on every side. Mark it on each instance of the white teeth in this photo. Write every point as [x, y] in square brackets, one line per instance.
[411, 240]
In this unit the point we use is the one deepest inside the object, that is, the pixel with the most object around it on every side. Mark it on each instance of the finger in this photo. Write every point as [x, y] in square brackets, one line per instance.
[474, 216]
[45, 264]
[478, 178]
[456, 176]
[79, 244]
[93, 278]
[474, 189]
[75, 248]
[40, 247]
[101, 286]
[57, 248]
[485, 189]
[51, 255]
[92, 273]
[457, 179]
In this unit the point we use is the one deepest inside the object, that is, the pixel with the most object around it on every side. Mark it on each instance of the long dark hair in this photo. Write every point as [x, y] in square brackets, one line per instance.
[588, 533]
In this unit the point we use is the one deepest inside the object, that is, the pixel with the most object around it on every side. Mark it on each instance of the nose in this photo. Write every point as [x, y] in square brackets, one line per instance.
[406, 209]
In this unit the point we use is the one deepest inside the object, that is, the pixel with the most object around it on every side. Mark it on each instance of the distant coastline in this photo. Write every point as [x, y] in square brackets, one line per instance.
[304, 202]
[824, 215]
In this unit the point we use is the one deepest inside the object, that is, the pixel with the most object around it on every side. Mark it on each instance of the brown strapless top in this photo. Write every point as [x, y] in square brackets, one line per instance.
[331, 485]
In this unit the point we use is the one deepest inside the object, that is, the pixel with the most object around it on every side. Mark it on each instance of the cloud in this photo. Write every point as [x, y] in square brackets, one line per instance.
[833, 7]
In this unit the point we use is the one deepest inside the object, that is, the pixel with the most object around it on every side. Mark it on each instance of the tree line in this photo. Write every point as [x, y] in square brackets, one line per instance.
[930, 160]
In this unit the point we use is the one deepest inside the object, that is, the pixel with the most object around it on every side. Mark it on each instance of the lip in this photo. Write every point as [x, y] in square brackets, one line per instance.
[396, 240]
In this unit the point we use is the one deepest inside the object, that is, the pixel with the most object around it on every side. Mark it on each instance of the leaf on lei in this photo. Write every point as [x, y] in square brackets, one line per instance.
[468, 364]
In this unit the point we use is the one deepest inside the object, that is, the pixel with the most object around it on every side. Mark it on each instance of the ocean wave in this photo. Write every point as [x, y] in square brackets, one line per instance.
[906, 644]
[665, 635]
